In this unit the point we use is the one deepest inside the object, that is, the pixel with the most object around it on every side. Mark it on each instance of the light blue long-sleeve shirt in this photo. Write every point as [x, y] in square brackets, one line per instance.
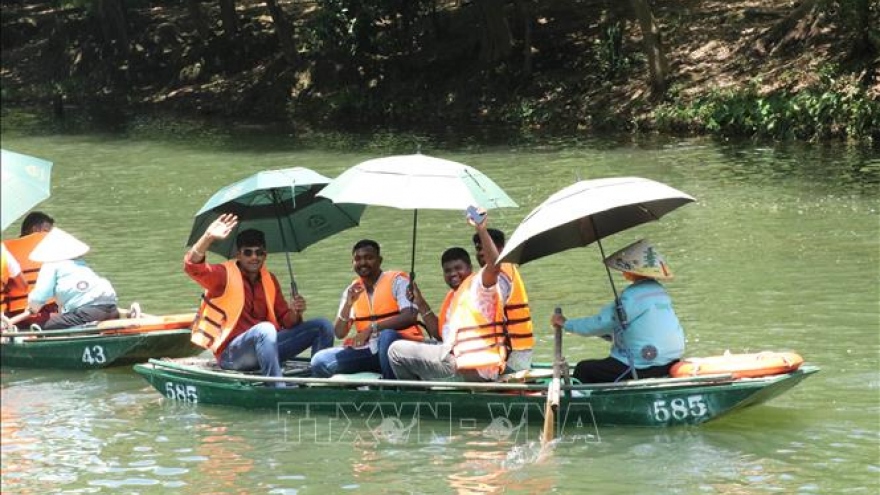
[73, 284]
[653, 336]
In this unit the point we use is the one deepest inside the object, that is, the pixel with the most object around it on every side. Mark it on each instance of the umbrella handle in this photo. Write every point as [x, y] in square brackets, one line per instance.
[294, 290]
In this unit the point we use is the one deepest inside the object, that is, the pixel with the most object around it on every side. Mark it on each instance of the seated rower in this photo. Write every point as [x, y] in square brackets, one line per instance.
[84, 296]
[650, 339]
[470, 322]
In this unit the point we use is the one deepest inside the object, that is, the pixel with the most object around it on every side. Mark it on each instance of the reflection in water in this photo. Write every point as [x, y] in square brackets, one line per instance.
[501, 467]
[14, 443]
[226, 458]
[40, 428]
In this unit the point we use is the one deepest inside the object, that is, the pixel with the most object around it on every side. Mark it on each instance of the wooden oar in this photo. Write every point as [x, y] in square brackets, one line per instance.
[553, 390]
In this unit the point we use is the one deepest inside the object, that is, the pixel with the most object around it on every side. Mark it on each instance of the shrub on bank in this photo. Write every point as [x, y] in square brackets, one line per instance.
[836, 108]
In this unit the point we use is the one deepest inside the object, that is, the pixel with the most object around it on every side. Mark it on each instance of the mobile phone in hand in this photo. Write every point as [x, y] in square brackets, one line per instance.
[475, 215]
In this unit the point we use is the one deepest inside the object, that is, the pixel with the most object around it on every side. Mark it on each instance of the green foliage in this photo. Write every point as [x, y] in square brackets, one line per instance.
[836, 108]
[608, 51]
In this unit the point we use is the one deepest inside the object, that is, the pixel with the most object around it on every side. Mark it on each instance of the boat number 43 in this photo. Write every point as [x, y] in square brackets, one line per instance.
[94, 355]
[679, 409]
[181, 392]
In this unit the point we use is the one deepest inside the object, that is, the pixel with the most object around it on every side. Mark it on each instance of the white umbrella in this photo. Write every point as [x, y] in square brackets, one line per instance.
[414, 182]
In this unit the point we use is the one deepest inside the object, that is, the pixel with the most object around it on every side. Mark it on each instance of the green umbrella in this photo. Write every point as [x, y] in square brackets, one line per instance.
[284, 205]
[25, 182]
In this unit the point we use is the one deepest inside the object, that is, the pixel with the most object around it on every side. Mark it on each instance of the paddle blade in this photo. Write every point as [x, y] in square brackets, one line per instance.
[550, 411]
[549, 424]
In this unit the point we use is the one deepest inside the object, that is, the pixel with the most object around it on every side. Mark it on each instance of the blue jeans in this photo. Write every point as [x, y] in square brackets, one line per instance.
[386, 338]
[348, 360]
[329, 362]
[262, 347]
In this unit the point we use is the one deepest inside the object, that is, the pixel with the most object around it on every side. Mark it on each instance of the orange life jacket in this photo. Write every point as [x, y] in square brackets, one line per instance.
[383, 305]
[476, 341]
[218, 316]
[4, 267]
[14, 299]
[444, 309]
[517, 315]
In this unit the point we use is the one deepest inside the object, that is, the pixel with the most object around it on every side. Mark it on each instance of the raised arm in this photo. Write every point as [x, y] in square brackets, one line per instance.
[490, 253]
[219, 229]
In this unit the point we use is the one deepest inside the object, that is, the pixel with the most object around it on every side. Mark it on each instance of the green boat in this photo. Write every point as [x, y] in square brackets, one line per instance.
[109, 343]
[658, 402]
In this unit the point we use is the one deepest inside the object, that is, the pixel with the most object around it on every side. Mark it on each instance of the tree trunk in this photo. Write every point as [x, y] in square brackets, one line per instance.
[659, 67]
[526, 13]
[111, 15]
[863, 47]
[229, 17]
[785, 30]
[199, 19]
[284, 31]
[496, 41]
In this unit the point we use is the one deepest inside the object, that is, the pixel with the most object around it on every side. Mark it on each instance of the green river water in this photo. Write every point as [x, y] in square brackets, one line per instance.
[781, 251]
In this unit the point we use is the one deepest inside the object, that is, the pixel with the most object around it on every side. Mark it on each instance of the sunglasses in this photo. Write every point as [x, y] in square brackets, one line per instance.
[248, 252]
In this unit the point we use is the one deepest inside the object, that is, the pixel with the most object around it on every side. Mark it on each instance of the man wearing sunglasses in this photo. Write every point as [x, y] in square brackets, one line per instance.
[244, 319]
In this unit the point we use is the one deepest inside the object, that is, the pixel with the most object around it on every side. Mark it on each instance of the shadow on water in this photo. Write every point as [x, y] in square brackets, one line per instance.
[841, 164]
[836, 164]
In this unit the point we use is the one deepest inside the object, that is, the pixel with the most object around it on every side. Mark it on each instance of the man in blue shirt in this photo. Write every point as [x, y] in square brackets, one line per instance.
[83, 296]
[651, 340]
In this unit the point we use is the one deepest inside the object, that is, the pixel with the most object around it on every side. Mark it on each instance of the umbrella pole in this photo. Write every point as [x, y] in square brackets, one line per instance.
[412, 265]
[618, 307]
[276, 200]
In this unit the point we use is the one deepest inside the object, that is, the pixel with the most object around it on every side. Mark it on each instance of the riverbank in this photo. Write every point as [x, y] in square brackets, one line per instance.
[732, 71]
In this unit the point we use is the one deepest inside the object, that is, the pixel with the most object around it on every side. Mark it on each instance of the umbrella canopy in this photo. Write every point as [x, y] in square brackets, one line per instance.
[417, 181]
[588, 211]
[414, 182]
[25, 182]
[281, 203]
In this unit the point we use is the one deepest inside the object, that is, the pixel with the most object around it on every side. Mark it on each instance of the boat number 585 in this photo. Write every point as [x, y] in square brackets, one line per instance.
[692, 407]
[181, 392]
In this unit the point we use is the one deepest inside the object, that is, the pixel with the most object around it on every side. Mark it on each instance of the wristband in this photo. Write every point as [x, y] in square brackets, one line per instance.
[428, 312]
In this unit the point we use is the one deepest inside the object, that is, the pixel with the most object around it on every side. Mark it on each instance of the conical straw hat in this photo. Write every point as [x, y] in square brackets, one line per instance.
[58, 245]
[640, 258]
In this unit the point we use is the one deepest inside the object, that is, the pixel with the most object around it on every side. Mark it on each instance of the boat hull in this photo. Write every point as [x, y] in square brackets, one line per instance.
[112, 343]
[653, 403]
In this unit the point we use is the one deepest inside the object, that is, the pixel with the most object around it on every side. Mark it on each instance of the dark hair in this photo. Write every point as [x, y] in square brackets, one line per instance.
[365, 243]
[34, 219]
[250, 237]
[496, 235]
[455, 254]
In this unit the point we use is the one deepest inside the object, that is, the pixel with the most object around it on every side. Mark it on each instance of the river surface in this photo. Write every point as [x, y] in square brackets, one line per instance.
[781, 251]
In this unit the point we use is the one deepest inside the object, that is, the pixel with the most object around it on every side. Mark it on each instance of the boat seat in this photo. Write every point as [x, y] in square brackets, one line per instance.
[533, 375]
[296, 367]
[353, 377]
